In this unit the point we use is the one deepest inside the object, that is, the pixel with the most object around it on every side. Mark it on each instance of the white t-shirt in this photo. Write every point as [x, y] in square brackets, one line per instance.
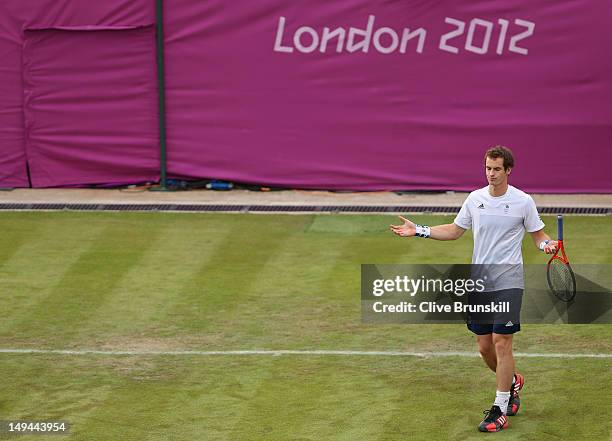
[498, 225]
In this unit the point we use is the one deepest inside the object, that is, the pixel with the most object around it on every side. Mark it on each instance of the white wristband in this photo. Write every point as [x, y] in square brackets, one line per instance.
[543, 244]
[422, 231]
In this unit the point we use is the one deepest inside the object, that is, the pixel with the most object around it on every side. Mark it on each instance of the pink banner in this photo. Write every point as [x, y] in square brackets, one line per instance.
[78, 93]
[356, 95]
[111, 97]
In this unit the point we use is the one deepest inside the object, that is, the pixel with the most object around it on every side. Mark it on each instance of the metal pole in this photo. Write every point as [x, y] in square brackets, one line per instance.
[161, 91]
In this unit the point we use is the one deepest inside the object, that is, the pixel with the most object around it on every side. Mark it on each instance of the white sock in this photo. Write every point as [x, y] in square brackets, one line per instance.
[501, 400]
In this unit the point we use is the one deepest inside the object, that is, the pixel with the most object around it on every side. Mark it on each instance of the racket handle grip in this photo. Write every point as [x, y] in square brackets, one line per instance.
[560, 227]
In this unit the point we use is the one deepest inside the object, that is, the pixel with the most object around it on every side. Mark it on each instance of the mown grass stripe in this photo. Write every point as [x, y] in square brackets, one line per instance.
[139, 302]
[13, 237]
[224, 282]
[32, 272]
[87, 282]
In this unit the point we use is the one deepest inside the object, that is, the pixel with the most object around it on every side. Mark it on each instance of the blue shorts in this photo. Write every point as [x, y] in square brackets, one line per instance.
[502, 323]
[480, 329]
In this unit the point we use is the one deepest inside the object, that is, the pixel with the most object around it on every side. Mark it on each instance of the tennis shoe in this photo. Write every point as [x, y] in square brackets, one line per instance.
[515, 401]
[494, 420]
[514, 404]
[518, 383]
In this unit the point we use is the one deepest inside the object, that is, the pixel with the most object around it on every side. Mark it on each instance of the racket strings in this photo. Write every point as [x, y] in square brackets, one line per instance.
[561, 280]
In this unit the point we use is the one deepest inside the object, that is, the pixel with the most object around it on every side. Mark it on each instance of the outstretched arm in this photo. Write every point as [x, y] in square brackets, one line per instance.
[543, 242]
[438, 232]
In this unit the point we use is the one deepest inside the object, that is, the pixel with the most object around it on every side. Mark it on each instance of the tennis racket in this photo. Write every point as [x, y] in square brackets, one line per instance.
[561, 279]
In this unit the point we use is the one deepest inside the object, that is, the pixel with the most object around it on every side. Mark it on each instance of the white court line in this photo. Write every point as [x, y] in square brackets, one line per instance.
[292, 352]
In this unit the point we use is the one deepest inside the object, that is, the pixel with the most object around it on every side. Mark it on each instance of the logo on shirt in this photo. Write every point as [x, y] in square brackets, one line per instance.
[481, 206]
[506, 209]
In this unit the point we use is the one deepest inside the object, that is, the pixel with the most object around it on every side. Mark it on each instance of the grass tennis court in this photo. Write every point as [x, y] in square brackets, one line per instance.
[167, 282]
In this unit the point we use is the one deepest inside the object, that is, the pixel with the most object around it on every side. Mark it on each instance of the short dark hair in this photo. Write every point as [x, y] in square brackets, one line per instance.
[499, 151]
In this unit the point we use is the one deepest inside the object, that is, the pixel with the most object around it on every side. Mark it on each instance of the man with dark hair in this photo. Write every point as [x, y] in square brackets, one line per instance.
[498, 214]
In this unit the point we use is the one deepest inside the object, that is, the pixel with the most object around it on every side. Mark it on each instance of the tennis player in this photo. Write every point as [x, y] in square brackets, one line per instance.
[499, 214]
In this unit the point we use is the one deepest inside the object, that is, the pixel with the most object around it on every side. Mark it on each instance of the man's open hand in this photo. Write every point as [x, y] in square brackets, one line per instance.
[407, 229]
